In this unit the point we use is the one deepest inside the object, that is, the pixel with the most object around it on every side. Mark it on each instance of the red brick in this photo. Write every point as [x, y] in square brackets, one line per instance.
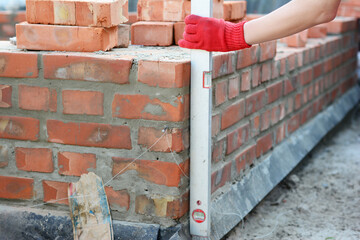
[215, 125]
[264, 144]
[19, 65]
[267, 50]
[234, 10]
[291, 60]
[234, 87]
[164, 74]
[79, 13]
[237, 138]
[255, 126]
[255, 76]
[221, 91]
[290, 85]
[178, 207]
[275, 69]
[176, 140]
[5, 96]
[222, 65]
[162, 207]
[75, 164]
[34, 159]
[318, 31]
[144, 107]
[218, 151]
[65, 38]
[255, 102]
[296, 40]
[265, 120]
[16, 187]
[277, 113]
[37, 98]
[123, 36]
[147, 33]
[83, 102]
[179, 28]
[158, 172]
[87, 67]
[306, 76]
[20, 128]
[266, 72]
[160, 10]
[293, 124]
[55, 192]
[233, 114]
[298, 101]
[318, 70]
[118, 198]
[220, 177]
[290, 105]
[89, 134]
[306, 114]
[274, 91]
[245, 81]
[246, 157]
[247, 57]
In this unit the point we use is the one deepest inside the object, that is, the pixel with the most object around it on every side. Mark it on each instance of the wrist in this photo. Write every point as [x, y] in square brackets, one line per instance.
[234, 36]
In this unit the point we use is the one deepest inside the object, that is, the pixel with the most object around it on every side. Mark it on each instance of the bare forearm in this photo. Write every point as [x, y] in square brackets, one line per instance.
[291, 18]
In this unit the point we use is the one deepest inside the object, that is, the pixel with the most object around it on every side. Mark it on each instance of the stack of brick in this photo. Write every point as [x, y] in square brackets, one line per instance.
[73, 25]
[165, 18]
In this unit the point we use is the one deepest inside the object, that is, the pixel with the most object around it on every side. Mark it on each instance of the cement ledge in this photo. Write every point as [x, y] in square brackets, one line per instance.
[244, 195]
[26, 223]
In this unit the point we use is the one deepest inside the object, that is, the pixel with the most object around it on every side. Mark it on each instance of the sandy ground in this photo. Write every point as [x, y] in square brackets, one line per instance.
[319, 200]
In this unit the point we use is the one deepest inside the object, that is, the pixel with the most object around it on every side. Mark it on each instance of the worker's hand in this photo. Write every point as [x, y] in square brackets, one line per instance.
[213, 34]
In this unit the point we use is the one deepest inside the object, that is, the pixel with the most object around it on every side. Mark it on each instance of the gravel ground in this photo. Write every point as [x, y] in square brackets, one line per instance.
[319, 200]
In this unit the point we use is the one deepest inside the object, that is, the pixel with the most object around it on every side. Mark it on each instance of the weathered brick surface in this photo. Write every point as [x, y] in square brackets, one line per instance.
[88, 134]
[16, 187]
[6, 94]
[65, 38]
[37, 98]
[55, 192]
[18, 65]
[83, 102]
[85, 67]
[144, 107]
[78, 13]
[158, 172]
[34, 159]
[164, 74]
[174, 140]
[75, 164]
[147, 33]
[20, 128]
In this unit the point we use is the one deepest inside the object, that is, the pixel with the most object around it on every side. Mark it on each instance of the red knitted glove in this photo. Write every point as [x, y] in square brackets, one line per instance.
[211, 34]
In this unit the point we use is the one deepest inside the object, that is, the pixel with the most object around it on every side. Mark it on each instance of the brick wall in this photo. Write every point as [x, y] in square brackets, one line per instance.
[64, 114]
